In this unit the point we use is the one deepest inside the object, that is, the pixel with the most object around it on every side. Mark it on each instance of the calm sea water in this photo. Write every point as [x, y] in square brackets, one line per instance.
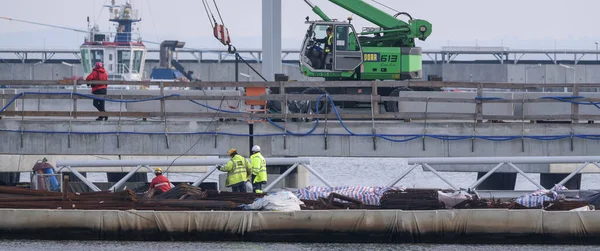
[233, 246]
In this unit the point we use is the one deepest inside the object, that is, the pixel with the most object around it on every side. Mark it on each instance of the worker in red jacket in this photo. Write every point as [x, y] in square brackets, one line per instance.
[160, 183]
[98, 74]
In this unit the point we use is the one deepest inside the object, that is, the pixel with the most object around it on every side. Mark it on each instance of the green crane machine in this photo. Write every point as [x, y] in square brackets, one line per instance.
[387, 52]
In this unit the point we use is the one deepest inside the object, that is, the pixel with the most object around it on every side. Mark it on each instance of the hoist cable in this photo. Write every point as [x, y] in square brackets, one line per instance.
[211, 13]
[219, 12]
[207, 14]
[385, 6]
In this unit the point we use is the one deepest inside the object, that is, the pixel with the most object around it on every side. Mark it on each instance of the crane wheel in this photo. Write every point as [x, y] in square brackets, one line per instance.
[392, 106]
[325, 106]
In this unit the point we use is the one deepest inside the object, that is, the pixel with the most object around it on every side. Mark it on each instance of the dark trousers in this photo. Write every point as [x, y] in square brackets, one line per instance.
[99, 104]
[239, 187]
[257, 186]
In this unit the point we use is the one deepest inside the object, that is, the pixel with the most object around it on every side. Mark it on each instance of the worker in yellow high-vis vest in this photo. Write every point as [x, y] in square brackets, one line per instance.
[328, 55]
[238, 171]
[259, 169]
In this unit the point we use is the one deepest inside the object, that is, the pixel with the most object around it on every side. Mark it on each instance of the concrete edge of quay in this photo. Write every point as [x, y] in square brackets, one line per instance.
[485, 226]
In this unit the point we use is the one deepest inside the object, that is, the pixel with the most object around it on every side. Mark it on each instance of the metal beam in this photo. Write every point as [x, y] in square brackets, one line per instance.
[496, 160]
[271, 40]
[201, 179]
[165, 162]
[283, 175]
[122, 181]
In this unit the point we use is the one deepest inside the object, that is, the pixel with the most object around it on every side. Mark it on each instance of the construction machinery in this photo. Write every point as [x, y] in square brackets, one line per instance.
[387, 52]
[169, 69]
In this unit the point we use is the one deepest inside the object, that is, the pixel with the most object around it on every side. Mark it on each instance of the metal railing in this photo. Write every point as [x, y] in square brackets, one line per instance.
[426, 163]
[411, 164]
[445, 54]
[72, 166]
[477, 100]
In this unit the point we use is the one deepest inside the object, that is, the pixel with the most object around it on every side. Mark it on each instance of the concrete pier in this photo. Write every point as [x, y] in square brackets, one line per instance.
[371, 226]
[100, 138]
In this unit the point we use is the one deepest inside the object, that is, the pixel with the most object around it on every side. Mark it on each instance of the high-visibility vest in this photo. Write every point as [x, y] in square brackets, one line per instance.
[237, 168]
[329, 45]
[259, 167]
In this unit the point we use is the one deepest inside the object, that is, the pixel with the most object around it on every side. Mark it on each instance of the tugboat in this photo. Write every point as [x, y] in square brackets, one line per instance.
[124, 57]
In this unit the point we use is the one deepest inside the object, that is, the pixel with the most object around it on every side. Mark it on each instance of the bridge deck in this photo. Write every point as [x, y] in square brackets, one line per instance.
[444, 124]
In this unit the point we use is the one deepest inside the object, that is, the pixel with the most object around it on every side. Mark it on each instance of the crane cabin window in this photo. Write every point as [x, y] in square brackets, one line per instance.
[345, 38]
[321, 33]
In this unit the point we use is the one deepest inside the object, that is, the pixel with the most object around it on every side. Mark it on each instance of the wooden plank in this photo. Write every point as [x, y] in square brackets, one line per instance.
[313, 97]
[406, 115]
[306, 84]
[415, 115]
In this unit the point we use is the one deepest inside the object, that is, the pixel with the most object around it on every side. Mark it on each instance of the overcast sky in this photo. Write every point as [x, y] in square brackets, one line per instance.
[523, 24]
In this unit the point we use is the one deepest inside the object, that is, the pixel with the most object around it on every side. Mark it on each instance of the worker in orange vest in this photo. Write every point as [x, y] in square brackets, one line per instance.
[160, 183]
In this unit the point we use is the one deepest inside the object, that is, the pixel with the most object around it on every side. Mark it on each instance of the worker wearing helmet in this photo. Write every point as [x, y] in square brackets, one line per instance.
[160, 183]
[328, 41]
[98, 74]
[259, 169]
[238, 171]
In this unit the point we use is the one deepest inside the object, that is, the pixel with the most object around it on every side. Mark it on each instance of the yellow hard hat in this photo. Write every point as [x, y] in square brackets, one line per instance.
[158, 170]
[231, 151]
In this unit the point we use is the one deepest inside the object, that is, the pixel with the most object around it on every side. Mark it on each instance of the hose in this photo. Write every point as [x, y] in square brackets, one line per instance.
[403, 13]
[388, 137]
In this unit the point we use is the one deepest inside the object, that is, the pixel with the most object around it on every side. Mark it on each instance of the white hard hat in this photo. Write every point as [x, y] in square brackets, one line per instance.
[256, 148]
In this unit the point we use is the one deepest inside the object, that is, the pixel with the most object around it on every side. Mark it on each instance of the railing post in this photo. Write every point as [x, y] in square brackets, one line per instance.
[74, 99]
[375, 98]
[479, 104]
[162, 100]
[574, 106]
[284, 109]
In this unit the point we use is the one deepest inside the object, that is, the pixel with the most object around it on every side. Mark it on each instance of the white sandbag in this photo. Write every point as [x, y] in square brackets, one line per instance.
[279, 201]
[452, 199]
[584, 208]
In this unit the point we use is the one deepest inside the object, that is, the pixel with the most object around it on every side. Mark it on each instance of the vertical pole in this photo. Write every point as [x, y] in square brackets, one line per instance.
[74, 98]
[575, 107]
[162, 100]
[65, 187]
[479, 104]
[251, 132]
[271, 40]
[237, 67]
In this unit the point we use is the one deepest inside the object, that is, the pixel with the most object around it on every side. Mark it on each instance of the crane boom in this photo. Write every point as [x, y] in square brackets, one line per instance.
[318, 11]
[370, 13]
